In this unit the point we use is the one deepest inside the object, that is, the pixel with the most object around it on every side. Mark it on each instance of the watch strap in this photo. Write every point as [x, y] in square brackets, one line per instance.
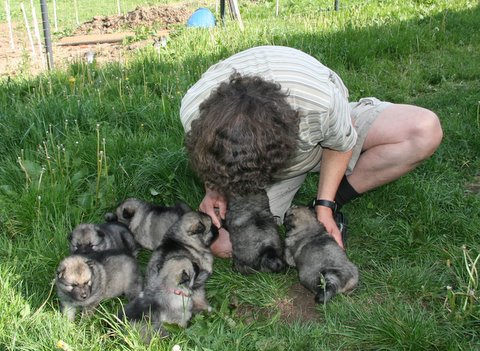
[326, 203]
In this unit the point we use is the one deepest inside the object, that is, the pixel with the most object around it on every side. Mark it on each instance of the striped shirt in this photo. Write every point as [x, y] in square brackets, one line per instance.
[315, 91]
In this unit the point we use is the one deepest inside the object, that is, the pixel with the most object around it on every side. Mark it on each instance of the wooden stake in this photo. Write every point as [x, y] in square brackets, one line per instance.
[55, 15]
[36, 30]
[9, 20]
[99, 39]
[27, 26]
[236, 13]
[76, 11]
[118, 7]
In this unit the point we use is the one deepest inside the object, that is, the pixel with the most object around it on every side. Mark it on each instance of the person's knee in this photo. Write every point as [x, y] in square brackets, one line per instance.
[427, 133]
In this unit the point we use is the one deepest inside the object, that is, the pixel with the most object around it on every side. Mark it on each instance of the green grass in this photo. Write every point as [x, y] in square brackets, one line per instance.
[75, 142]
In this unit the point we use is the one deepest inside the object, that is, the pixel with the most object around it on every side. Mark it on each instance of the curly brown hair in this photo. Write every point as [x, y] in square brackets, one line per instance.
[245, 133]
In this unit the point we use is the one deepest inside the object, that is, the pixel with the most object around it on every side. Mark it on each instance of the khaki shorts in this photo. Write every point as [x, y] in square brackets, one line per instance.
[364, 113]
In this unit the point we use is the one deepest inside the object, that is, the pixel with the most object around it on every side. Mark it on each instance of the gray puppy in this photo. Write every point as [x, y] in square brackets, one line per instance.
[167, 297]
[189, 238]
[86, 280]
[148, 222]
[322, 265]
[87, 238]
[256, 244]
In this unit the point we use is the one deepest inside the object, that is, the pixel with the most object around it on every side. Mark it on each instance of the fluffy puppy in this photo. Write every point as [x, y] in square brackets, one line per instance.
[167, 297]
[86, 280]
[190, 238]
[148, 222]
[323, 266]
[87, 238]
[256, 245]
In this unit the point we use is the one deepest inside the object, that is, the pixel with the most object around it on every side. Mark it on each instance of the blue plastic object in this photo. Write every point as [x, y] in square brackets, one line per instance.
[201, 18]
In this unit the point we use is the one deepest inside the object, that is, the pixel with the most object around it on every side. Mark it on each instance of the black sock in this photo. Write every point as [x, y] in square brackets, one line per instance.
[345, 193]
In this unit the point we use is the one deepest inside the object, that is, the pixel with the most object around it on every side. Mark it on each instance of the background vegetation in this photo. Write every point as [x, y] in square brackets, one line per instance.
[76, 142]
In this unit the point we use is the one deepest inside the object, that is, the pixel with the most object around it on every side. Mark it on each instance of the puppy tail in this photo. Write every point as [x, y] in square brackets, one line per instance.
[327, 285]
[138, 309]
[270, 261]
[143, 315]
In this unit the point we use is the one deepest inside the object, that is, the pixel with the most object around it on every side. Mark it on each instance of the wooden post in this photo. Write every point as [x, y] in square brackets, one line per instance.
[55, 15]
[235, 10]
[9, 21]
[37, 33]
[75, 5]
[27, 26]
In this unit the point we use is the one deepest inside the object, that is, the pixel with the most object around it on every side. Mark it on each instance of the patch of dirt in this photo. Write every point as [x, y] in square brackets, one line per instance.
[299, 306]
[161, 16]
[25, 59]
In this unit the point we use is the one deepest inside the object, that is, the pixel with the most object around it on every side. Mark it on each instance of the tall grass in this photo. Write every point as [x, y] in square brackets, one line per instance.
[77, 141]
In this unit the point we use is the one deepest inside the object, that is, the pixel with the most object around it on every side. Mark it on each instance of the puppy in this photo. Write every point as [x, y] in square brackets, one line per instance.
[322, 265]
[86, 280]
[256, 245]
[189, 238]
[147, 222]
[87, 238]
[167, 297]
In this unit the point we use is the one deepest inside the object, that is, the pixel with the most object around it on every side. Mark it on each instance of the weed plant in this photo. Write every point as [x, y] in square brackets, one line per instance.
[76, 142]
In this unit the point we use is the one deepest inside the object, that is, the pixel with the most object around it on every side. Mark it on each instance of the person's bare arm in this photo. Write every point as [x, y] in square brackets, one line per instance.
[332, 169]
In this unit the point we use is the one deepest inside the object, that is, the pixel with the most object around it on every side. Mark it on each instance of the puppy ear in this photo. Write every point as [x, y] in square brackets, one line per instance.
[110, 217]
[196, 268]
[214, 231]
[60, 271]
[196, 228]
[100, 233]
[183, 207]
[90, 263]
[185, 278]
[201, 278]
[128, 213]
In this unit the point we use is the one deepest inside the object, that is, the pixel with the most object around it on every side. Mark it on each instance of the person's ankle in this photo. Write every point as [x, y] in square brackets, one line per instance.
[345, 193]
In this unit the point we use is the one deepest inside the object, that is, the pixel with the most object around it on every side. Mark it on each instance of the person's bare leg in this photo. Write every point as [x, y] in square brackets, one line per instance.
[401, 137]
[222, 247]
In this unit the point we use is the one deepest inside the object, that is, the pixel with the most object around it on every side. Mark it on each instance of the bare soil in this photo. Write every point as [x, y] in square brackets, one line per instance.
[21, 60]
[298, 306]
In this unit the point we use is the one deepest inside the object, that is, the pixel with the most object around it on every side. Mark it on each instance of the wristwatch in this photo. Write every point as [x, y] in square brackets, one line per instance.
[326, 203]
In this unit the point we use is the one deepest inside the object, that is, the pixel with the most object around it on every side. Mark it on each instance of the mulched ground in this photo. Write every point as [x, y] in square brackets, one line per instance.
[161, 17]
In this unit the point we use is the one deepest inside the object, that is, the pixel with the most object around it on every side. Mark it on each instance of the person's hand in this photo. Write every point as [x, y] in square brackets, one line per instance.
[215, 205]
[325, 216]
